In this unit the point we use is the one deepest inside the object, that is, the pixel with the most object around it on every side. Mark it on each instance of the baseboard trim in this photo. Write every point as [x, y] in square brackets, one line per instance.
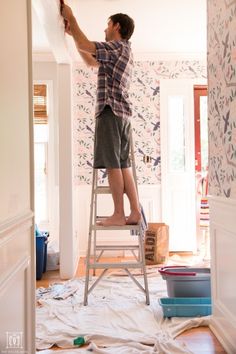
[181, 253]
[222, 337]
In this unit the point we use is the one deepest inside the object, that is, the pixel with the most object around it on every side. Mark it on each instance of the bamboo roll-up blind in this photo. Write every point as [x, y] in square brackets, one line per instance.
[40, 104]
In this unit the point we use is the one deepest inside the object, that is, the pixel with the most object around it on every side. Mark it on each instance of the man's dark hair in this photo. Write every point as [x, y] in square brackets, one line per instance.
[126, 24]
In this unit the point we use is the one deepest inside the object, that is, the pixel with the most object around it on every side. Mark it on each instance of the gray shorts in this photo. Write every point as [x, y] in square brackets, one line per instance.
[112, 141]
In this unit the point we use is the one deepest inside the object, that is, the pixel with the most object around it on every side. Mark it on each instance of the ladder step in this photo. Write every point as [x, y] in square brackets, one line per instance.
[124, 227]
[117, 247]
[115, 265]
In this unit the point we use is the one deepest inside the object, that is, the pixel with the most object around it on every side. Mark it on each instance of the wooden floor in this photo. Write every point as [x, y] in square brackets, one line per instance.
[199, 340]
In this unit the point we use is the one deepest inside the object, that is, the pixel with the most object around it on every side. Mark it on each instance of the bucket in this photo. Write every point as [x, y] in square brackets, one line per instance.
[187, 281]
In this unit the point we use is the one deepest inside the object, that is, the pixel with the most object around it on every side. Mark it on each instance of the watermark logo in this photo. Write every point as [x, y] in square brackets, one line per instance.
[14, 340]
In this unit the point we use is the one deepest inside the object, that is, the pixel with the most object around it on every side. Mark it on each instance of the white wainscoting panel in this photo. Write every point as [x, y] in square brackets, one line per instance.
[17, 284]
[223, 265]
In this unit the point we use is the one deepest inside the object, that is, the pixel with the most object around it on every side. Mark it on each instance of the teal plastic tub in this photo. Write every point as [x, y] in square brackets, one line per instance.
[185, 306]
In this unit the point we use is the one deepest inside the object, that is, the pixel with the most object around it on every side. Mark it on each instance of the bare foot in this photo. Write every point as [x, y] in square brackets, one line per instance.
[134, 218]
[113, 220]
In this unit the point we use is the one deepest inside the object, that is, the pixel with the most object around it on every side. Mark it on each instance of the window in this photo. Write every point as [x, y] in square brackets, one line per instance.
[40, 104]
[41, 153]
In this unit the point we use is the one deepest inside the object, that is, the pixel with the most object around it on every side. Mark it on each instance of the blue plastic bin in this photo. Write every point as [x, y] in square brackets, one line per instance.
[185, 306]
[41, 254]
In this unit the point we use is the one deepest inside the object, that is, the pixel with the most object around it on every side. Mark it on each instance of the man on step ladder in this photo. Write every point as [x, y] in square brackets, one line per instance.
[114, 60]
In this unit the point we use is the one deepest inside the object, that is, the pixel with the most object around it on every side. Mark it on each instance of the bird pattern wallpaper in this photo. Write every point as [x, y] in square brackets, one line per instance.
[145, 99]
[222, 97]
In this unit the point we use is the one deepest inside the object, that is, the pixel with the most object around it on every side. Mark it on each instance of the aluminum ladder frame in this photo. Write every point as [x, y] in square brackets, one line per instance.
[92, 263]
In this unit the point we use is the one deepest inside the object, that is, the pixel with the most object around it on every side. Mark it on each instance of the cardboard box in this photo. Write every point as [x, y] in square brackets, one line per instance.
[156, 245]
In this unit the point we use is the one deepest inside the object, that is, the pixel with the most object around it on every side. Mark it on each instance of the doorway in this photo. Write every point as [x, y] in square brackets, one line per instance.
[201, 170]
[40, 100]
[177, 161]
[46, 163]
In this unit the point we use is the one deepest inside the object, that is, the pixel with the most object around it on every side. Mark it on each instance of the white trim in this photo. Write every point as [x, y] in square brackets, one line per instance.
[43, 57]
[67, 243]
[170, 189]
[19, 222]
[51, 162]
[144, 56]
[157, 56]
[223, 244]
[138, 56]
[221, 335]
[29, 280]
[23, 264]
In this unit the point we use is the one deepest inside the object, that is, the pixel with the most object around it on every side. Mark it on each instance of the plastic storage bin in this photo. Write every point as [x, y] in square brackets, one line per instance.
[185, 306]
[187, 281]
[41, 254]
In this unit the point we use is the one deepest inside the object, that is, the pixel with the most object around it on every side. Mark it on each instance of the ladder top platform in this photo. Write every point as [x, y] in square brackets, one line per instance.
[124, 227]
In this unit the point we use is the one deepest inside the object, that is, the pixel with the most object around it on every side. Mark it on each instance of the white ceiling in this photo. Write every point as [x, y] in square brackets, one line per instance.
[161, 26]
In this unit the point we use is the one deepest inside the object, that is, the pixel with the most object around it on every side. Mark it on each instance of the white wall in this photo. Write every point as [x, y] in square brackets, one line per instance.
[15, 178]
[17, 260]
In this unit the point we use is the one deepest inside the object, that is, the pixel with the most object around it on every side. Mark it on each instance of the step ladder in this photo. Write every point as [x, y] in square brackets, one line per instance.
[95, 251]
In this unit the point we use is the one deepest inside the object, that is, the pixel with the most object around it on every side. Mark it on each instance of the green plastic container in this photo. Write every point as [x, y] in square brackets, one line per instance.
[185, 306]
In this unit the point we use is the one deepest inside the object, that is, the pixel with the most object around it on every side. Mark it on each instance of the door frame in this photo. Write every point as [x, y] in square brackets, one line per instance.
[198, 89]
[52, 162]
[165, 87]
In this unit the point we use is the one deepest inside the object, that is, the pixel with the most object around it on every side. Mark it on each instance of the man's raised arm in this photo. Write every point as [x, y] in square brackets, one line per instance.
[85, 47]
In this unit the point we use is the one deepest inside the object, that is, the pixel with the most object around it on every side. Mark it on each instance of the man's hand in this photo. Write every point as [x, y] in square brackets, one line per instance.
[66, 12]
[72, 28]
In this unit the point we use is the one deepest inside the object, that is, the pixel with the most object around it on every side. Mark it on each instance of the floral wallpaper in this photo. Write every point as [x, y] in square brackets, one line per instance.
[145, 98]
[222, 97]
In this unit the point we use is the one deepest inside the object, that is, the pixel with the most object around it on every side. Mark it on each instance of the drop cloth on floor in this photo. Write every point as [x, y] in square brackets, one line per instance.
[116, 317]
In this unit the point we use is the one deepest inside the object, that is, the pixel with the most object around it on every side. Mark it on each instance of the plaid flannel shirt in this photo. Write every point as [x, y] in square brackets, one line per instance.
[116, 62]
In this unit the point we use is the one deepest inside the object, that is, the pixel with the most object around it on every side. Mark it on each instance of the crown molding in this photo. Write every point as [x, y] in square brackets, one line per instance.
[165, 56]
[39, 56]
[160, 56]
